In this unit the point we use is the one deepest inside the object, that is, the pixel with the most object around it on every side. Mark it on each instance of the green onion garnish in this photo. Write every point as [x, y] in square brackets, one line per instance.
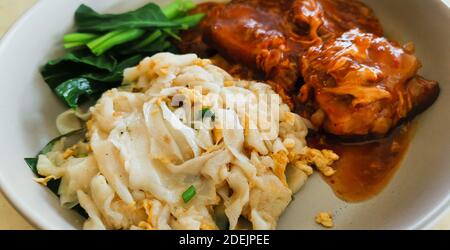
[206, 112]
[189, 194]
[83, 155]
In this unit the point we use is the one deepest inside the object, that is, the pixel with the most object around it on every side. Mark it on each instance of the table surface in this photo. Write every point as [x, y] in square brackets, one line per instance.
[10, 11]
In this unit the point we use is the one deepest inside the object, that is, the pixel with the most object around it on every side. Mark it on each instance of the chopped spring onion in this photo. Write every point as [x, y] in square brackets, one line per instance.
[189, 194]
[83, 155]
[207, 113]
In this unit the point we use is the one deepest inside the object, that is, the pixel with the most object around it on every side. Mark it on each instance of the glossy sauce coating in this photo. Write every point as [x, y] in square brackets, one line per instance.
[364, 169]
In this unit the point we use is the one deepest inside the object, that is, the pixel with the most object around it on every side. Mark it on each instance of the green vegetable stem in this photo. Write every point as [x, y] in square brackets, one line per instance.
[127, 27]
[106, 44]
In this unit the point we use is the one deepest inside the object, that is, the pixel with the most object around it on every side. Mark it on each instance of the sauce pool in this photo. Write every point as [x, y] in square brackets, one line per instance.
[364, 169]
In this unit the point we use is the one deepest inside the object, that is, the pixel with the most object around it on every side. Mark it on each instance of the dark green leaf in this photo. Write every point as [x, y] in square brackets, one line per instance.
[161, 44]
[128, 62]
[73, 65]
[172, 34]
[149, 16]
[115, 77]
[80, 73]
[149, 39]
[32, 162]
[71, 90]
[102, 62]
[53, 185]
[80, 211]
[78, 81]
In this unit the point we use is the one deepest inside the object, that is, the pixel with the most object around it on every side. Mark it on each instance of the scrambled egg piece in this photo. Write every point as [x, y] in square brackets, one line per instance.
[207, 226]
[281, 160]
[322, 159]
[145, 225]
[68, 153]
[303, 166]
[324, 219]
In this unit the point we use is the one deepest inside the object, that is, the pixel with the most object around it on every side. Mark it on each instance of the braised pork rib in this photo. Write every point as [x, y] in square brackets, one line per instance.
[353, 81]
[362, 84]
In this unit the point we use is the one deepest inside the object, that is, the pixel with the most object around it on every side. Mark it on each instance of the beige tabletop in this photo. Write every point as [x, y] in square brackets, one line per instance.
[10, 11]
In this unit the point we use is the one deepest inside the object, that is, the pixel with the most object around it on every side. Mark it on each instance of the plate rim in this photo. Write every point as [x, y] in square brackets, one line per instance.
[427, 222]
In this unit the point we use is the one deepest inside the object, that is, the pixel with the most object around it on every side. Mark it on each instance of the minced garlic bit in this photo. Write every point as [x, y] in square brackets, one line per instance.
[229, 83]
[88, 148]
[324, 219]
[207, 226]
[145, 225]
[289, 143]
[281, 160]
[148, 206]
[330, 155]
[218, 135]
[68, 153]
[323, 159]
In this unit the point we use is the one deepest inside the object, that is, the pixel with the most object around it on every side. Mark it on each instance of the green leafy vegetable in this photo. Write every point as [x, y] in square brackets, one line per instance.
[74, 76]
[149, 40]
[79, 37]
[120, 37]
[172, 34]
[189, 194]
[105, 62]
[126, 27]
[106, 44]
[207, 113]
[83, 155]
[148, 16]
[102, 48]
[177, 8]
[189, 21]
[75, 64]
[73, 45]
[73, 89]
[53, 185]
[32, 162]
[160, 44]
[114, 77]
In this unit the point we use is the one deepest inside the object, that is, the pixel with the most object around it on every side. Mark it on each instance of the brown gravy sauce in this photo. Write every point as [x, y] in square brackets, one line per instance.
[364, 169]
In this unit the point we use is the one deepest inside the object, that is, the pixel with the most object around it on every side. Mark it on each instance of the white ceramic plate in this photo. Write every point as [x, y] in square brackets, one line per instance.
[415, 197]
